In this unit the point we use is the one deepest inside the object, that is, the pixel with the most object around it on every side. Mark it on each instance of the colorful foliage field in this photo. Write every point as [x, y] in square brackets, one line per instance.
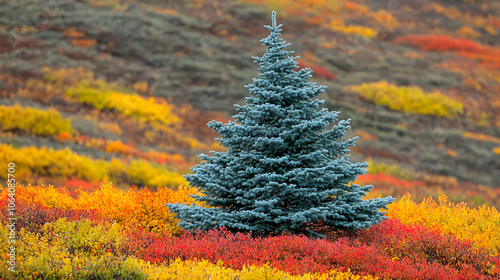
[36, 162]
[131, 235]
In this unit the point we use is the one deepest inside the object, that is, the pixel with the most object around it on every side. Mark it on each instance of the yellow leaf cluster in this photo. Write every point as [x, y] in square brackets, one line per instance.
[31, 120]
[203, 269]
[143, 173]
[102, 96]
[68, 250]
[33, 161]
[50, 162]
[481, 225]
[409, 99]
[338, 25]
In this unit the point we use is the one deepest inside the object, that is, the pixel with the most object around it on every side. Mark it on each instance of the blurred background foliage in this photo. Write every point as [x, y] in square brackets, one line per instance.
[126, 87]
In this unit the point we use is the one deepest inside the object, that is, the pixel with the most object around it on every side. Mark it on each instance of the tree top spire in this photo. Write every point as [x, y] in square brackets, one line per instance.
[273, 19]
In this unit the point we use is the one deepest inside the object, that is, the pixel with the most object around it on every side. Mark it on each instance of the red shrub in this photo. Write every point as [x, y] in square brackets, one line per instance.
[299, 255]
[439, 43]
[318, 71]
[420, 243]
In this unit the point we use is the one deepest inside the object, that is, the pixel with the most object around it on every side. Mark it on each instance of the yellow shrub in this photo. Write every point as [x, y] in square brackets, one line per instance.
[338, 25]
[409, 99]
[103, 96]
[32, 161]
[203, 269]
[69, 250]
[31, 120]
[49, 162]
[478, 225]
[143, 173]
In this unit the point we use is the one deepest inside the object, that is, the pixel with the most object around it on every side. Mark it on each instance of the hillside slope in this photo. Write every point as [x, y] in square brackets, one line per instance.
[138, 80]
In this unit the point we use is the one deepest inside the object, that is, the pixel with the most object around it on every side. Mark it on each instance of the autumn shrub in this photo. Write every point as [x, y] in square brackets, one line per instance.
[376, 167]
[32, 217]
[299, 255]
[143, 173]
[439, 43]
[418, 242]
[481, 137]
[102, 96]
[120, 148]
[45, 196]
[83, 250]
[203, 269]
[33, 121]
[136, 208]
[78, 38]
[66, 164]
[409, 99]
[385, 180]
[488, 55]
[69, 250]
[338, 25]
[319, 71]
[33, 161]
[74, 184]
[479, 225]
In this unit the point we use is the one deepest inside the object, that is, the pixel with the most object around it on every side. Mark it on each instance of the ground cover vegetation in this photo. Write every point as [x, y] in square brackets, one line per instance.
[133, 237]
[124, 89]
[111, 83]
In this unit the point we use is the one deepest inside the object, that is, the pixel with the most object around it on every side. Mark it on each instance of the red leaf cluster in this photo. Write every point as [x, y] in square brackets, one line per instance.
[439, 43]
[318, 71]
[381, 251]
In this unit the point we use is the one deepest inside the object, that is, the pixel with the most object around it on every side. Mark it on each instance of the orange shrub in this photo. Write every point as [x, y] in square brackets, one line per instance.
[136, 208]
[64, 136]
[120, 148]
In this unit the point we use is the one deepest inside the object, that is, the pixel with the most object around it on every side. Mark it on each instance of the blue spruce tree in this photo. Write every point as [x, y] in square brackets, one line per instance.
[284, 170]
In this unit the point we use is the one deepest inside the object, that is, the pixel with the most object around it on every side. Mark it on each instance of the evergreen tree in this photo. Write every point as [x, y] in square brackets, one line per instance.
[283, 170]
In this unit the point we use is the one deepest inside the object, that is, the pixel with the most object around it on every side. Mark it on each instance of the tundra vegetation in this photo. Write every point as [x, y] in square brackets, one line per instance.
[100, 91]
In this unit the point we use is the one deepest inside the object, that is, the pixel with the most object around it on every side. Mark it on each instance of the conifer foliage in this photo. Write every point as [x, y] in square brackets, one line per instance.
[284, 170]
